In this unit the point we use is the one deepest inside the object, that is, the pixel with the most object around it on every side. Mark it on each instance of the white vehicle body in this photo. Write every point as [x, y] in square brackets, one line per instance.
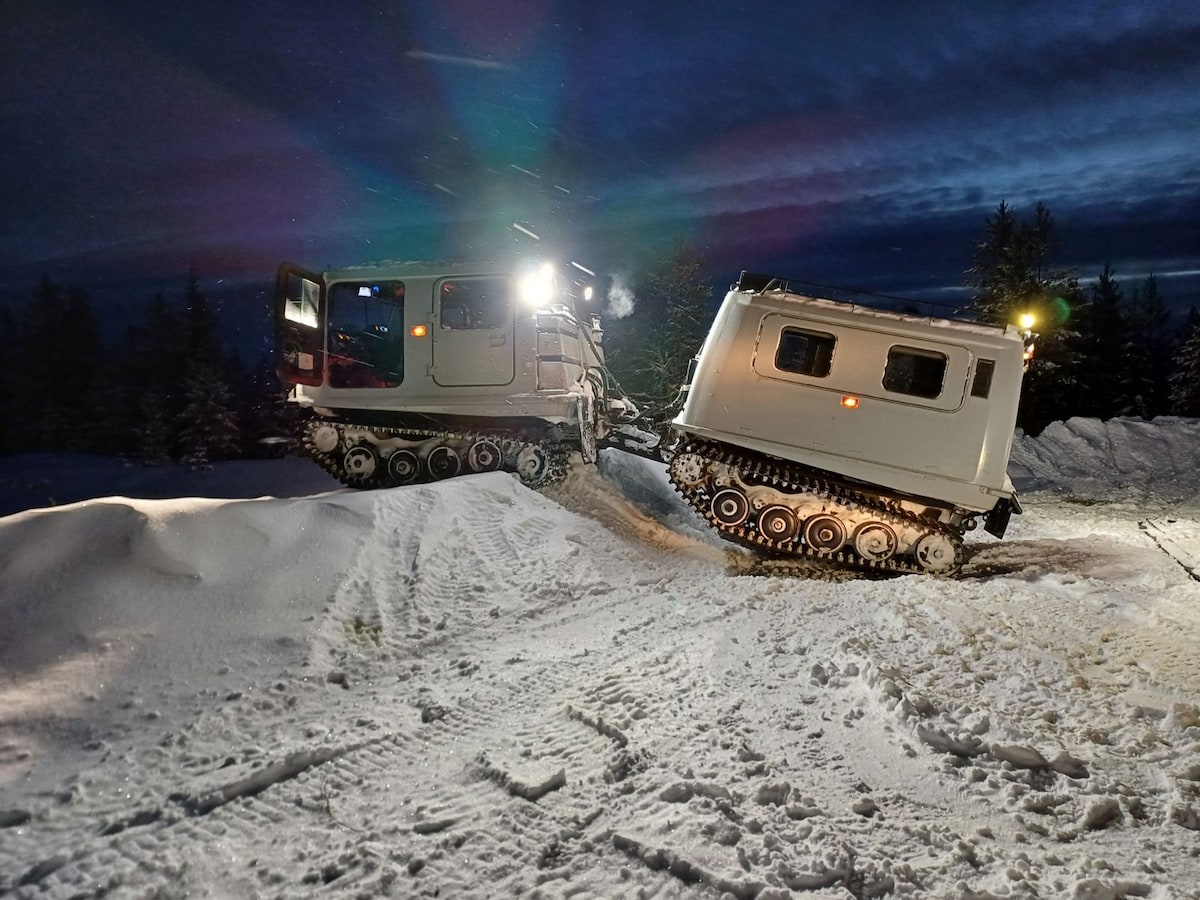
[871, 438]
[432, 338]
[415, 371]
[946, 437]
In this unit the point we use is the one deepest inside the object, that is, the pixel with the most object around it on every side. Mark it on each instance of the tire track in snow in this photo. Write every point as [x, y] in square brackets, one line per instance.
[758, 804]
[435, 584]
[470, 718]
[1028, 668]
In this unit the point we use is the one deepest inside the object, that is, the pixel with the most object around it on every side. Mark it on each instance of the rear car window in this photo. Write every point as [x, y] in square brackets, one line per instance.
[915, 372]
[805, 352]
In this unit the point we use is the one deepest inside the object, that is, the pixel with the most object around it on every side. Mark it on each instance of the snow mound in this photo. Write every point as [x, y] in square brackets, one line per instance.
[1091, 457]
[31, 480]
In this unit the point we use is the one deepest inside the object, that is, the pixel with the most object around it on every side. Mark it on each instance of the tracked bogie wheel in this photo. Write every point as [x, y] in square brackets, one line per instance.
[443, 462]
[777, 523]
[534, 465]
[825, 534]
[730, 507]
[404, 467]
[875, 541]
[484, 456]
[323, 437]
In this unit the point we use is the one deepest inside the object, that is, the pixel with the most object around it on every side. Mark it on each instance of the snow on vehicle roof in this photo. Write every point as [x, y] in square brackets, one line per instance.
[862, 303]
[845, 307]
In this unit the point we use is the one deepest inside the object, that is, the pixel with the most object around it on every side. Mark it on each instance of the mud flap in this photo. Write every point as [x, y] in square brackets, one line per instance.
[587, 429]
[995, 522]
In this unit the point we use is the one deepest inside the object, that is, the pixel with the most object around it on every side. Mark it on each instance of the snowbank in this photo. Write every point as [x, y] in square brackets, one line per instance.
[1090, 457]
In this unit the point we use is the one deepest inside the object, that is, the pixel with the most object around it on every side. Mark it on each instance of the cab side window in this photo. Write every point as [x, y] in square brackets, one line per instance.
[805, 352]
[366, 334]
[474, 303]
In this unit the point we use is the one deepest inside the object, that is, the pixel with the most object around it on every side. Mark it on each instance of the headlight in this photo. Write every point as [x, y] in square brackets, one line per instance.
[536, 288]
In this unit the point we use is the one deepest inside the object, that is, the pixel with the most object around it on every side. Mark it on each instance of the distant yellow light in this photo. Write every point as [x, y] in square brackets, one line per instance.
[418, 331]
[1027, 321]
[850, 402]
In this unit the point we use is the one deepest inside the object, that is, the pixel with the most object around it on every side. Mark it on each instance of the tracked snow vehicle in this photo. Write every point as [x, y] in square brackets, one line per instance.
[807, 427]
[872, 438]
[418, 371]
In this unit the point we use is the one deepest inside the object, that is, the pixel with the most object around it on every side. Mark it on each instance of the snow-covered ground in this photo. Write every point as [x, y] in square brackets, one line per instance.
[471, 689]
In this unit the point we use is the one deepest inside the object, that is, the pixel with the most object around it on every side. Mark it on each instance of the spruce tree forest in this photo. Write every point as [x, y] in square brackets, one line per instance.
[168, 389]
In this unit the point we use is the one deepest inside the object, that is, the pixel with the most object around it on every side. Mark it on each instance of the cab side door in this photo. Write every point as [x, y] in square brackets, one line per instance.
[474, 331]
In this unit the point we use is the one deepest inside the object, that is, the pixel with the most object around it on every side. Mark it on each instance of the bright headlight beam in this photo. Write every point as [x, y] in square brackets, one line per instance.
[536, 289]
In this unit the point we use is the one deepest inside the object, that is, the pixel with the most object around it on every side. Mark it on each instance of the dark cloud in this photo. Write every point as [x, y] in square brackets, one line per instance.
[868, 147]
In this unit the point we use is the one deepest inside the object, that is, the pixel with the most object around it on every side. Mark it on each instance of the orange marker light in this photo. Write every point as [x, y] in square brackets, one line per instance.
[850, 402]
[418, 331]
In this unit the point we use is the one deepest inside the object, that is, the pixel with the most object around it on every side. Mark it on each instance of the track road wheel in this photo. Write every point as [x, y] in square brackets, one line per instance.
[875, 541]
[825, 534]
[688, 469]
[484, 456]
[938, 553]
[403, 467]
[443, 462]
[730, 507]
[778, 524]
[361, 463]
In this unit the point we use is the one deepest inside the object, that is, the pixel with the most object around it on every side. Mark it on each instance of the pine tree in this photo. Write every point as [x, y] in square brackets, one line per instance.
[10, 427]
[154, 431]
[209, 429]
[1146, 355]
[269, 423]
[650, 350]
[1104, 345]
[1185, 379]
[1012, 275]
[203, 345]
[1011, 271]
[56, 356]
[147, 376]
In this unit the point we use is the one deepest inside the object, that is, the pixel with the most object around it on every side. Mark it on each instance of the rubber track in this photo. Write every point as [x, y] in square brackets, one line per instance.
[790, 478]
[558, 457]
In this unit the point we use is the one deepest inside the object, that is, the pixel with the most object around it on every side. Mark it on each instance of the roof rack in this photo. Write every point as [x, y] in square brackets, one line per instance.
[755, 282]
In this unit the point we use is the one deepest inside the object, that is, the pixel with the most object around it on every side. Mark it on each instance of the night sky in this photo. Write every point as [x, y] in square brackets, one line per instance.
[862, 145]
